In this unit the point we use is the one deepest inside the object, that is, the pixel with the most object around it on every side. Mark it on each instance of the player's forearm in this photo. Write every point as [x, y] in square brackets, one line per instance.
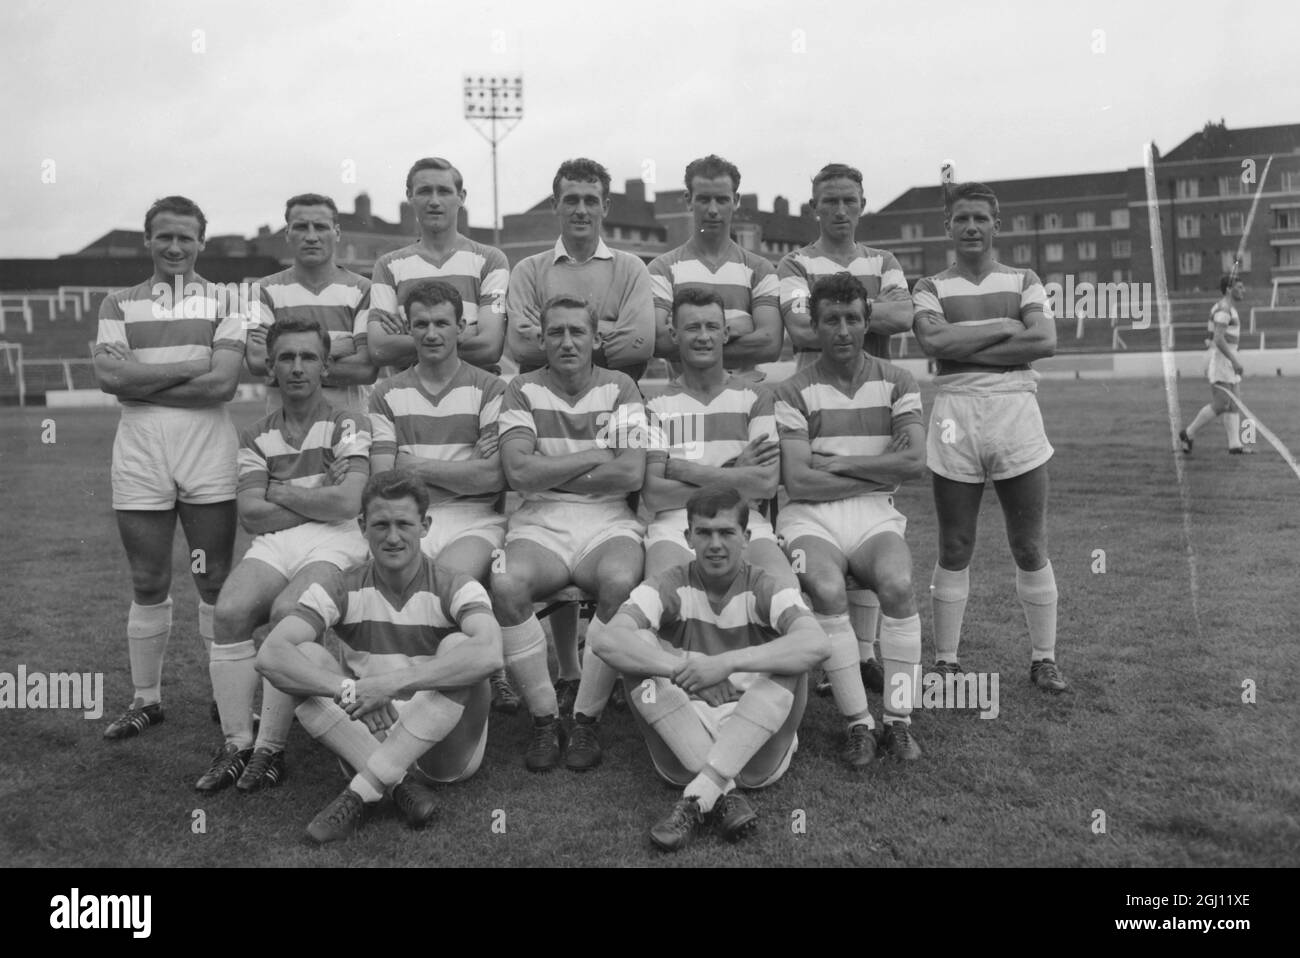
[462, 477]
[792, 654]
[621, 475]
[467, 664]
[281, 664]
[482, 348]
[537, 473]
[752, 482]
[886, 468]
[527, 352]
[129, 379]
[322, 504]
[353, 370]
[760, 346]
[945, 341]
[660, 493]
[255, 358]
[631, 341]
[890, 316]
[798, 326]
[1022, 347]
[805, 484]
[388, 349]
[624, 651]
[214, 386]
[259, 516]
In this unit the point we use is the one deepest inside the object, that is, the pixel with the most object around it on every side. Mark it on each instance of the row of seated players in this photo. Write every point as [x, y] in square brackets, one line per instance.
[724, 694]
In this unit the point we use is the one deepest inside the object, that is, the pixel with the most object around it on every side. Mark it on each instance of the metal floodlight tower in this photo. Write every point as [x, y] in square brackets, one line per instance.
[489, 100]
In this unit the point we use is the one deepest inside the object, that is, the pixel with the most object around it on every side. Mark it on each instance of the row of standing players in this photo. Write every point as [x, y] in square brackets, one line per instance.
[841, 434]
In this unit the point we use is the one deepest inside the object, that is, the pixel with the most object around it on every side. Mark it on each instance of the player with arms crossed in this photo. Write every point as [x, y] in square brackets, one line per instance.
[567, 445]
[617, 285]
[438, 420]
[851, 430]
[985, 323]
[436, 192]
[838, 202]
[318, 289]
[720, 650]
[173, 365]
[708, 428]
[408, 705]
[301, 472]
[1224, 370]
[712, 261]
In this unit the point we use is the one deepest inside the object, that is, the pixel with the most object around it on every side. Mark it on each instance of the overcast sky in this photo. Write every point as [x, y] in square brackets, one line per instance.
[275, 97]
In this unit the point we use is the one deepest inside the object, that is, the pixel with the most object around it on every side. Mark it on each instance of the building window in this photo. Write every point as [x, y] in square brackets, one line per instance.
[1054, 252]
[1121, 275]
[1189, 227]
[1051, 221]
[1086, 221]
[1288, 256]
[1232, 224]
[1088, 276]
[1189, 264]
[1020, 224]
[747, 237]
[1119, 219]
[1188, 189]
[1087, 250]
[1288, 221]
[1121, 249]
[1057, 278]
[1022, 254]
[910, 262]
[912, 231]
[1291, 181]
[1231, 186]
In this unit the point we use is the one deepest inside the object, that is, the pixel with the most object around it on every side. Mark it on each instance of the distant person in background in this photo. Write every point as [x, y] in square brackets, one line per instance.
[317, 288]
[173, 362]
[1224, 370]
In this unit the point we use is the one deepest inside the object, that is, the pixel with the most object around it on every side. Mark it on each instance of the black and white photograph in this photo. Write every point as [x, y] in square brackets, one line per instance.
[729, 435]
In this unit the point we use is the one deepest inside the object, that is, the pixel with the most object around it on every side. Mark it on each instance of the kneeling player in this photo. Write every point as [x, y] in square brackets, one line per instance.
[409, 704]
[301, 472]
[721, 651]
[851, 430]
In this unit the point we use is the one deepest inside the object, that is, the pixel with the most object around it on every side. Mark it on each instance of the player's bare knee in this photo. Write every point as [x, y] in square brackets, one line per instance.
[826, 592]
[511, 595]
[955, 552]
[151, 586]
[1029, 554]
[895, 590]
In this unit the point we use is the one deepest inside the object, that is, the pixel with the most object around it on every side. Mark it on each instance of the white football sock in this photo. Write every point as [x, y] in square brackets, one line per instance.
[234, 684]
[597, 678]
[1037, 591]
[900, 647]
[864, 613]
[525, 654]
[948, 593]
[148, 627]
[843, 671]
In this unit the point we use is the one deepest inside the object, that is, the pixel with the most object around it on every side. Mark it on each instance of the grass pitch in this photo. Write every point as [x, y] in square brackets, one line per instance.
[1155, 734]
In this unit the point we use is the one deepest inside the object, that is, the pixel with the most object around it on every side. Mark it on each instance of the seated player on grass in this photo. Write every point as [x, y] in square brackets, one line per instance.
[714, 656]
[567, 447]
[301, 472]
[438, 419]
[409, 703]
[851, 430]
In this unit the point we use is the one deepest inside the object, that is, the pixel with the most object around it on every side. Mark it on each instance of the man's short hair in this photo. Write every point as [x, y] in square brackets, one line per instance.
[434, 163]
[393, 485]
[837, 171]
[565, 301]
[1227, 281]
[697, 296]
[972, 191]
[294, 324]
[310, 199]
[581, 170]
[709, 501]
[711, 167]
[180, 206]
[836, 288]
[430, 293]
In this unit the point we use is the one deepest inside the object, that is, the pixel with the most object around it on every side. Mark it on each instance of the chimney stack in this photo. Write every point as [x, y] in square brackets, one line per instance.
[781, 206]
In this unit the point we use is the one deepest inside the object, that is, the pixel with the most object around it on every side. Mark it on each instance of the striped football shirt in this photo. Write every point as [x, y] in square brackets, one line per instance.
[479, 273]
[340, 308]
[755, 610]
[380, 632]
[954, 297]
[744, 282]
[265, 454]
[407, 418]
[609, 409]
[882, 399]
[876, 269]
[158, 329]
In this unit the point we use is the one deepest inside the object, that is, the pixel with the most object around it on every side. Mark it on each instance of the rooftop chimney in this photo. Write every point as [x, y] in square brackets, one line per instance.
[749, 201]
[362, 205]
[781, 206]
[406, 214]
[635, 191]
